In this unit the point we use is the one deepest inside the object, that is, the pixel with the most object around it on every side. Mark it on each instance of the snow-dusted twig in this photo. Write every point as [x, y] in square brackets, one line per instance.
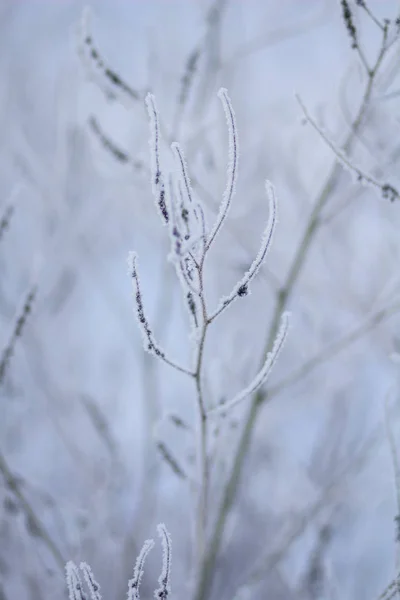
[242, 287]
[74, 582]
[91, 583]
[187, 228]
[262, 375]
[16, 332]
[232, 165]
[134, 583]
[149, 342]
[385, 189]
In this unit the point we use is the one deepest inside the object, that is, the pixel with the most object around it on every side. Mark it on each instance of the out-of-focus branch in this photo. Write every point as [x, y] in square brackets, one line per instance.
[33, 521]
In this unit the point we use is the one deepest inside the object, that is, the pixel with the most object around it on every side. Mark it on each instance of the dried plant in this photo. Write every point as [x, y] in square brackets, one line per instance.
[191, 241]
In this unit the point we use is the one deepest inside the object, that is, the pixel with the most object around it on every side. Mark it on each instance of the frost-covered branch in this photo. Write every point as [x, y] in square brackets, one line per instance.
[91, 583]
[134, 583]
[242, 287]
[232, 165]
[165, 578]
[190, 241]
[149, 342]
[16, 332]
[74, 582]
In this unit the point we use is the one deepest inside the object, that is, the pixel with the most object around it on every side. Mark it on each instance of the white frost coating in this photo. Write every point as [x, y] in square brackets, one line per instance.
[263, 374]
[134, 583]
[149, 342]
[74, 583]
[164, 580]
[241, 288]
[93, 586]
[157, 179]
[181, 160]
[232, 164]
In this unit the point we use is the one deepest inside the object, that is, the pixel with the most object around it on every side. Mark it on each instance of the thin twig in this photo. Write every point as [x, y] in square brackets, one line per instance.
[14, 486]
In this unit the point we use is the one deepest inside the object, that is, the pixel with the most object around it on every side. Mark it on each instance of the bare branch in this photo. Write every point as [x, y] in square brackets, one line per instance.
[242, 287]
[98, 70]
[232, 165]
[386, 190]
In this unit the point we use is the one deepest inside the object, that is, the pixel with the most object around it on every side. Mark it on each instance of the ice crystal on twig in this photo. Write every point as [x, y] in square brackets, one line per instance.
[91, 583]
[164, 580]
[74, 582]
[149, 342]
[242, 287]
[232, 165]
[134, 583]
[75, 586]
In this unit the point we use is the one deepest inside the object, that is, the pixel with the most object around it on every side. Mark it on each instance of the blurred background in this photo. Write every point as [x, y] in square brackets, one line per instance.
[88, 421]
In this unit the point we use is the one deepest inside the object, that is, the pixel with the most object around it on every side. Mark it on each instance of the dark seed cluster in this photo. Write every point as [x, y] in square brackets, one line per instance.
[348, 20]
[389, 192]
[151, 347]
[243, 290]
